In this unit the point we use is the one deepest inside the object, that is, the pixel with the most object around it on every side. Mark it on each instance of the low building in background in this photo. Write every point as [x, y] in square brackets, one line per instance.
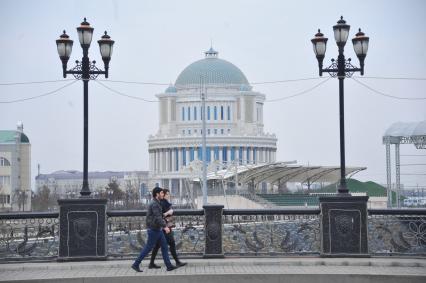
[15, 170]
[68, 183]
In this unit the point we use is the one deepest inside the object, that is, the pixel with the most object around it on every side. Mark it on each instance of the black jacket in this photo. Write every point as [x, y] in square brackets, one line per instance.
[165, 205]
[154, 216]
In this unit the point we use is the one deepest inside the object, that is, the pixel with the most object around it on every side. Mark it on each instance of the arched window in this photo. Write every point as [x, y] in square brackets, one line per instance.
[221, 112]
[225, 153]
[216, 153]
[208, 112]
[208, 154]
[189, 113]
[4, 162]
[195, 112]
[229, 113]
[183, 113]
[232, 153]
[215, 112]
[191, 154]
[176, 160]
[184, 156]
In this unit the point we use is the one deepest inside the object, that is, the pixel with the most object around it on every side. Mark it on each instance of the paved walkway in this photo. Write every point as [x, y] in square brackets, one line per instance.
[296, 269]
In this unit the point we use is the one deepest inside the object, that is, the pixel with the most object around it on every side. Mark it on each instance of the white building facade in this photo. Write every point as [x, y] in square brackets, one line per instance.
[234, 124]
[15, 170]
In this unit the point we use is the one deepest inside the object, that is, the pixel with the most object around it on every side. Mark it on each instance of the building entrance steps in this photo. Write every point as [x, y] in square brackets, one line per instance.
[265, 270]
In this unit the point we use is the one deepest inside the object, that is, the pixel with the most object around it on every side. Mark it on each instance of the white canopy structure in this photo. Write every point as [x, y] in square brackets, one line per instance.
[401, 133]
[280, 172]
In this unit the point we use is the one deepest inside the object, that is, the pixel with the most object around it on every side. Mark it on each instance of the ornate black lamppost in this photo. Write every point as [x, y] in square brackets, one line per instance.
[344, 217]
[85, 71]
[82, 221]
[341, 69]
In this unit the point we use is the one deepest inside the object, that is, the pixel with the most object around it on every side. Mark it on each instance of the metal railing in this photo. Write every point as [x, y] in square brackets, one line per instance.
[397, 232]
[271, 232]
[245, 232]
[127, 232]
[29, 236]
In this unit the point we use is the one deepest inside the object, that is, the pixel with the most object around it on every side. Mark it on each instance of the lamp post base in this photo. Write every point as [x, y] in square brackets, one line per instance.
[344, 226]
[83, 233]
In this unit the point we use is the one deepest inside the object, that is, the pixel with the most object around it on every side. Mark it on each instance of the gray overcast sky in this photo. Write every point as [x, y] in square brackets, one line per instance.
[267, 40]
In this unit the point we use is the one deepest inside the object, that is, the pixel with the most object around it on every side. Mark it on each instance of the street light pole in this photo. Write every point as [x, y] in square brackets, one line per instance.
[85, 71]
[342, 69]
[203, 117]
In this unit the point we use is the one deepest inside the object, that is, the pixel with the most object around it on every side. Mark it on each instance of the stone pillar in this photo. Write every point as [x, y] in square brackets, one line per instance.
[228, 153]
[188, 156]
[344, 226]
[168, 161]
[157, 153]
[244, 159]
[221, 156]
[251, 154]
[180, 153]
[163, 160]
[213, 231]
[83, 230]
[173, 167]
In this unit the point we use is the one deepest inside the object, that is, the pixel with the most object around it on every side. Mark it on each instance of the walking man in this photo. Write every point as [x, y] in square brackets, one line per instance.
[155, 225]
[167, 214]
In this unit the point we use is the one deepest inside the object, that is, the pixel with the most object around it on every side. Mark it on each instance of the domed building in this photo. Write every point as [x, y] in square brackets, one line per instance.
[234, 124]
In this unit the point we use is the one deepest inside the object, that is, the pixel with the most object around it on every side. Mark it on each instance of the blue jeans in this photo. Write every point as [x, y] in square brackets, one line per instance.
[153, 237]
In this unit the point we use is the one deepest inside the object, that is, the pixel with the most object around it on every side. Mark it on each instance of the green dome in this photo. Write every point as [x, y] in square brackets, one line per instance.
[214, 71]
[10, 137]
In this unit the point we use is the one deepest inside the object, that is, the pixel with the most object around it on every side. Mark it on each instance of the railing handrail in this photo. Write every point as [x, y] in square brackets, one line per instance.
[409, 211]
[179, 212]
[29, 215]
[308, 211]
[176, 212]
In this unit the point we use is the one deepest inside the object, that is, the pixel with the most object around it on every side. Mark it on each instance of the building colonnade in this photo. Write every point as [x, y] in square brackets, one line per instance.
[175, 158]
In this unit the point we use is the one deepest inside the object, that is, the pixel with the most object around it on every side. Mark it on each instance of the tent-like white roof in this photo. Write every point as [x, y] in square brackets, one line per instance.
[281, 171]
[406, 133]
[402, 129]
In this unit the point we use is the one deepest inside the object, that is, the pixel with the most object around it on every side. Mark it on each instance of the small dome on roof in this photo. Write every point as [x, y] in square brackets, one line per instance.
[213, 71]
[171, 89]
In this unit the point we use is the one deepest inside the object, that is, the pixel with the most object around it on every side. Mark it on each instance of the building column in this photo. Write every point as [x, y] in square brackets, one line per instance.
[251, 154]
[157, 160]
[174, 160]
[187, 156]
[150, 160]
[221, 156]
[167, 163]
[162, 161]
[180, 156]
[228, 153]
[244, 157]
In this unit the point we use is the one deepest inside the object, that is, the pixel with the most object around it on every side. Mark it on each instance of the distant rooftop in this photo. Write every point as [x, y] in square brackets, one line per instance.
[74, 174]
[9, 137]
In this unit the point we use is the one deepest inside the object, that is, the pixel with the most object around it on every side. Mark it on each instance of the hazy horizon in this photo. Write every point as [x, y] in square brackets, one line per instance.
[267, 40]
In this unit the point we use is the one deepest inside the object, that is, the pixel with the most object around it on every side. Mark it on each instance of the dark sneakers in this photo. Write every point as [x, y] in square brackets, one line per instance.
[136, 268]
[180, 264]
[172, 267]
[153, 266]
